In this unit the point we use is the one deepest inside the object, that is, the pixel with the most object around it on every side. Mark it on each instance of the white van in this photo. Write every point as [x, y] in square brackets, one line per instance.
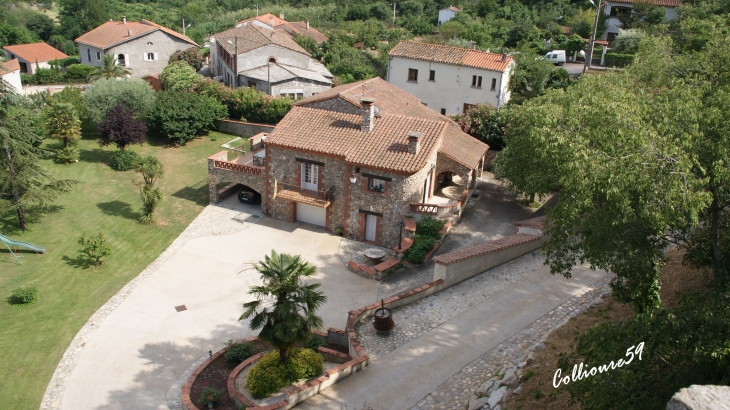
[556, 57]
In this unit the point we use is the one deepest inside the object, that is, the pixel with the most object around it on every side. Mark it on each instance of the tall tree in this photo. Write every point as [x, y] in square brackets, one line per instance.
[63, 123]
[285, 306]
[23, 183]
[121, 128]
[80, 16]
[110, 70]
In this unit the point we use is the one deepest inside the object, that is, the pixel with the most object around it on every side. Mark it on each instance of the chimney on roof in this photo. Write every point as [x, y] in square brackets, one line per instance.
[129, 32]
[110, 20]
[271, 21]
[504, 57]
[368, 114]
[488, 50]
[413, 144]
[281, 16]
[473, 45]
[124, 19]
[307, 22]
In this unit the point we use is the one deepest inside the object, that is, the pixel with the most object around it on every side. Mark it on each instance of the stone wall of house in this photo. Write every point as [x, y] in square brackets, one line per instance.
[284, 168]
[336, 104]
[446, 164]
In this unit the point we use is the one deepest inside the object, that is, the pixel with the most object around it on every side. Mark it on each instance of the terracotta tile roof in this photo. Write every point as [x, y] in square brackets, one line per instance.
[566, 30]
[452, 8]
[665, 3]
[338, 134]
[537, 222]
[456, 144]
[251, 37]
[264, 18]
[112, 33]
[9, 66]
[300, 27]
[485, 248]
[40, 52]
[451, 55]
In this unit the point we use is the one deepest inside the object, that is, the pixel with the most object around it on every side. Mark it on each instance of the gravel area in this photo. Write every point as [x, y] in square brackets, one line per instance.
[355, 251]
[419, 317]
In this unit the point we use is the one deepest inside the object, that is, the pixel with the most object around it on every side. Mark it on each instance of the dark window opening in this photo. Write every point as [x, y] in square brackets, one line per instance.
[479, 82]
[473, 81]
[412, 75]
[494, 83]
[443, 111]
[432, 75]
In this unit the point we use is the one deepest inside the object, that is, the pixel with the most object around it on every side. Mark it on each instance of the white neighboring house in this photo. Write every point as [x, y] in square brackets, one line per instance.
[448, 79]
[447, 14]
[266, 56]
[616, 8]
[10, 73]
[33, 55]
[144, 47]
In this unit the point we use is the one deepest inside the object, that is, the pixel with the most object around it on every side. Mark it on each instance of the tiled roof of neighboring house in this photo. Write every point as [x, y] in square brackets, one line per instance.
[251, 37]
[302, 28]
[40, 52]
[451, 55]
[9, 66]
[112, 33]
[264, 18]
[282, 72]
[390, 99]
[452, 8]
[566, 30]
[339, 134]
[665, 3]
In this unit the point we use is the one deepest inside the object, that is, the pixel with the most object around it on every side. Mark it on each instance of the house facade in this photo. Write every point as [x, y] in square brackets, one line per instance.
[447, 14]
[359, 157]
[267, 59]
[143, 47]
[450, 79]
[32, 56]
[617, 8]
[271, 22]
[10, 73]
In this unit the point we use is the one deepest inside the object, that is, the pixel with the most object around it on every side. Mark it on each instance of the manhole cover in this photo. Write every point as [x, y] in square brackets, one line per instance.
[180, 308]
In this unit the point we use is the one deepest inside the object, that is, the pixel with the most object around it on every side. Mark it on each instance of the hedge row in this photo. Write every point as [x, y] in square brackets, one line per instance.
[619, 60]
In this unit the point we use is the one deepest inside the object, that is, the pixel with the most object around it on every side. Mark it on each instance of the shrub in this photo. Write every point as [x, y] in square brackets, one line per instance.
[105, 94]
[70, 95]
[190, 56]
[238, 352]
[182, 116]
[68, 155]
[95, 248]
[619, 60]
[121, 128]
[210, 394]
[124, 160]
[78, 72]
[429, 227]
[269, 375]
[178, 76]
[25, 295]
[315, 342]
[26, 78]
[44, 76]
[417, 252]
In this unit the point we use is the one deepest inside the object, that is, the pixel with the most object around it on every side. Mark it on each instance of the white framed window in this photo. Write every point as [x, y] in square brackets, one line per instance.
[150, 57]
[310, 176]
[121, 60]
[377, 185]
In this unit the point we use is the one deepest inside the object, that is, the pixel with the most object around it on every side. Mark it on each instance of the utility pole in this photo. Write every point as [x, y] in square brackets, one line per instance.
[592, 40]
[257, 9]
[183, 27]
[393, 4]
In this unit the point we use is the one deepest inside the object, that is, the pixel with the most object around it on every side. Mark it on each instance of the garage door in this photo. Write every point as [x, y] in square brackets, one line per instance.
[311, 214]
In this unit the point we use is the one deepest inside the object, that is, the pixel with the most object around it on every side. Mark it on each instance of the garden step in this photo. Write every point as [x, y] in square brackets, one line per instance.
[410, 224]
[404, 245]
[382, 267]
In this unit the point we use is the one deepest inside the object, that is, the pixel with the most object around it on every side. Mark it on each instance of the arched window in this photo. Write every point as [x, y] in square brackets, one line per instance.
[88, 53]
[151, 56]
[98, 56]
[121, 61]
[272, 60]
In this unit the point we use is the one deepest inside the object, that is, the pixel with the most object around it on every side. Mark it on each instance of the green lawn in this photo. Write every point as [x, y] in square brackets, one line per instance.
[33, 338]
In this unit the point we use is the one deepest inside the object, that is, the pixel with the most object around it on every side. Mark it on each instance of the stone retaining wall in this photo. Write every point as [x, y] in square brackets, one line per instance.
[243, 129]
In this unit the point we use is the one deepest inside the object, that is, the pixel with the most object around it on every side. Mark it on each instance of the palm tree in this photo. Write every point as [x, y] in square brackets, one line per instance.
[151, 169]
[285, 306]
[110, 69]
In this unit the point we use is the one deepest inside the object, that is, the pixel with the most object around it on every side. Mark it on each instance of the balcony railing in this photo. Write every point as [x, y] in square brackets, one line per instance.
[299, 194]
[232, 166]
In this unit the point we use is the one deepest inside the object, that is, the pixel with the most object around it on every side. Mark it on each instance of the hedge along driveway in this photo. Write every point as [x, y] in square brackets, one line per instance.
[33, 338]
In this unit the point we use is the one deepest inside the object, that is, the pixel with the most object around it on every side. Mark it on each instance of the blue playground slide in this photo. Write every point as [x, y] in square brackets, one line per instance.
[21, 245]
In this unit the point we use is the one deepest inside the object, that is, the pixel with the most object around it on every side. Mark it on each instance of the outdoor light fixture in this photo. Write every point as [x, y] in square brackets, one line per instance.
[353, 177]
[401, 225]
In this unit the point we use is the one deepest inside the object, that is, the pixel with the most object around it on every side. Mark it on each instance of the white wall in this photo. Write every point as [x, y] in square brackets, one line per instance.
[445, 15]
[451, 88]
[30, 65]
[258, 57]
[613, 23]
[13, 78]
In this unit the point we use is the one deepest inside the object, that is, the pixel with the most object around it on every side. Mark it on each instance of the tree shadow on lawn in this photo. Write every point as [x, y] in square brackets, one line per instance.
[200, 195]
[95, 156]
[118, 208]
[9, 224]
[77, 262]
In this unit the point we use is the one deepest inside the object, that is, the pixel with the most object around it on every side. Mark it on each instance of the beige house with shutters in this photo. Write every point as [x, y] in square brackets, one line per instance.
[144, 47]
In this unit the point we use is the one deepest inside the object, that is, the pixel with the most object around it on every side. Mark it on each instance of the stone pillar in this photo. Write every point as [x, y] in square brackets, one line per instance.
[212, 182]
[603, 56]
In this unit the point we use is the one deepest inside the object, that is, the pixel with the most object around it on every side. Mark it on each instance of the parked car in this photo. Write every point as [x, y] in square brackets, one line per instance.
[249, 196]
[556, 57]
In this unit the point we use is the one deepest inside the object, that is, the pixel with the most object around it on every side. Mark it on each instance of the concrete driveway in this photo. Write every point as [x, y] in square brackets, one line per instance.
[131, 358]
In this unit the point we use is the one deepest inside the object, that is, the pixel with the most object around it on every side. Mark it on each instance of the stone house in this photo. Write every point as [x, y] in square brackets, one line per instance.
[32, 56]
[359, 157]
[450, 79]
[447, 14]
[268, 60]
[10, 73]
[271, 22]
[617, 8]
[143, 47]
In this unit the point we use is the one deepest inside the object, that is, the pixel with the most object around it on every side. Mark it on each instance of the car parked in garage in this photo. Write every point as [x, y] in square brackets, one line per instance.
[249, 196]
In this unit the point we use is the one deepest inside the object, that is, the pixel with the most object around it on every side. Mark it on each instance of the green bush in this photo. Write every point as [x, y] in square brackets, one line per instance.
[269, 375]
[210, 394]
[26, 78]
[182, 116]
[178, 76]
[238, 352]
[124, 160]
[95, 248]
[315, 342]
[429, 227]
[25, 295]
[78, 72]
[68, 155]
[417, 252]
[102, 95]
[619, 60]
[45, 76]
